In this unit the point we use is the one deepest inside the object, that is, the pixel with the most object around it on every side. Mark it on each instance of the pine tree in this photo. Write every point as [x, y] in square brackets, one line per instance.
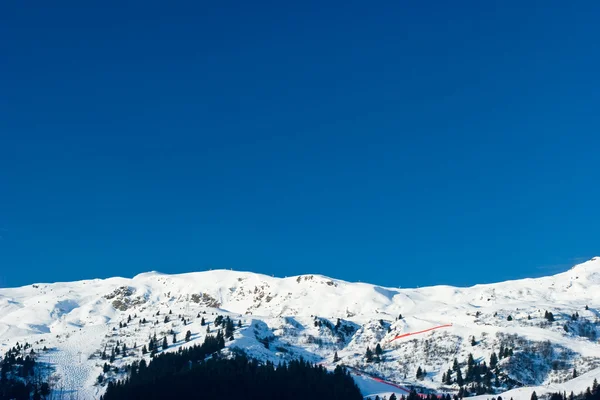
[229, 328]
[378, 349]
[449, 377]
[239, 323]
[473, 342]
[493, 360]
[369, 355]
[174, 338]
[393, 396]
[202, 322]
[419, 373]
[509, 318]
[144, 349]
[459, 378]
[534, 396]
[188, 336]
[335, 357]
[574, 373]
[165, 344]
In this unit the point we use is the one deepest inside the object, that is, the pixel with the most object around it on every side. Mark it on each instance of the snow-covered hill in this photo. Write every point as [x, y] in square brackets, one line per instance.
[316, 317]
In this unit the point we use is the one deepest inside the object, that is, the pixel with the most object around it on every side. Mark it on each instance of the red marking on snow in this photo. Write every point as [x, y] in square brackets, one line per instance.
[419, 332]
[376, 379]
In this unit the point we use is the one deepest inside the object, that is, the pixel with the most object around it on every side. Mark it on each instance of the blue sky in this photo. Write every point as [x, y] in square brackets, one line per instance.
[401, 144]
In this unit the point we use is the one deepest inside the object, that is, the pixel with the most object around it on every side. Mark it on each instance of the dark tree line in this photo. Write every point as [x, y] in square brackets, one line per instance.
[17, 375]
[591, 393]
[413, 395]
[176, 376]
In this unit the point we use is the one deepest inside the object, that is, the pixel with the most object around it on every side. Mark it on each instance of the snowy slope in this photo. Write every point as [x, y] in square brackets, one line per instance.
[297, 316]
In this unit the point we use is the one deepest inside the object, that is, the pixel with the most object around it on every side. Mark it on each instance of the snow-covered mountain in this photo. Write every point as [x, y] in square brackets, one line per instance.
[542, 329]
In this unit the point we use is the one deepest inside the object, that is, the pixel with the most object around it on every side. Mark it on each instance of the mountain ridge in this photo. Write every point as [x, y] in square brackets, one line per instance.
[313, 316]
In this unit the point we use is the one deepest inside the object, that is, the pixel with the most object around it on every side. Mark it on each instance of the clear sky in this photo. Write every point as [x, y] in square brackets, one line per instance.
[400, 143]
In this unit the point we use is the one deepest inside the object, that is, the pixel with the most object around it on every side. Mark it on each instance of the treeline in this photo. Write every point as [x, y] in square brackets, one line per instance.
[18, 378]
[413, 395]
[591, 393]
[240, 377]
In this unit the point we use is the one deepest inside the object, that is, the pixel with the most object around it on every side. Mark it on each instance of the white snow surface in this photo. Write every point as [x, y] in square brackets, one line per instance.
[77, 320]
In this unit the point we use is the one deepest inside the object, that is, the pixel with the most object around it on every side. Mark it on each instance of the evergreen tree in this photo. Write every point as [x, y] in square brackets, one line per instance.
[369, 355]
[378, 349]
[509, 318]
[202, 322]
[335, 357]
[459, 378]
[448, 377]
[165, 344]
[473, 342]
[174, 338]
[493, 360]
[188, 336]
[419, 373]
[534, 396]
[229, 328]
